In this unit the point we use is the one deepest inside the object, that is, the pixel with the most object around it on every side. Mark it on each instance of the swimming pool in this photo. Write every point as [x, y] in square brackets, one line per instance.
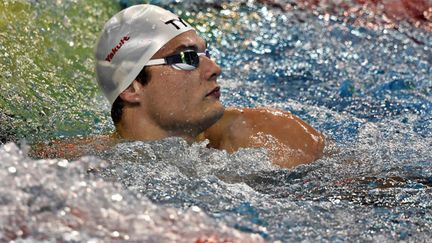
[368, 90]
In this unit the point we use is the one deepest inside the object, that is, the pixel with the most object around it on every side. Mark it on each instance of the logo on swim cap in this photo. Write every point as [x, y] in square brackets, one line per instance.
[117, 48]
[178, 20]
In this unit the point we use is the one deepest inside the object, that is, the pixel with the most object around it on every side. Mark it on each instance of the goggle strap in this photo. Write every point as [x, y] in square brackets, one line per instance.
[160, 61]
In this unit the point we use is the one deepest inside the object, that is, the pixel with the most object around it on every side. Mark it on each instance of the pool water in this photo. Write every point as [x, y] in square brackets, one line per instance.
[367, 89]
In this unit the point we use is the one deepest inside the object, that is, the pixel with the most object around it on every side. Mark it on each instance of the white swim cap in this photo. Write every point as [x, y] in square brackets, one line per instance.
[128, 41]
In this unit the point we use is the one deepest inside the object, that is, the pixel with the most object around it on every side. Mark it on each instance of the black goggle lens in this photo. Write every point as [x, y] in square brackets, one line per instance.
[186, 60]
[187, 57]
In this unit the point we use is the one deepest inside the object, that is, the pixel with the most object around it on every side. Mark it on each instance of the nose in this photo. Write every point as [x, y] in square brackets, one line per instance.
[211, 69]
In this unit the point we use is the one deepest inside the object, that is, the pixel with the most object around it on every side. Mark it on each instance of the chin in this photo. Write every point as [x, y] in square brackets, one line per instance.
[211, 115]
[218, 110]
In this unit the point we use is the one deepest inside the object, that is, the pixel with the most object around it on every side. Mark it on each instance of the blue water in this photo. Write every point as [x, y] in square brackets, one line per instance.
[368, 90]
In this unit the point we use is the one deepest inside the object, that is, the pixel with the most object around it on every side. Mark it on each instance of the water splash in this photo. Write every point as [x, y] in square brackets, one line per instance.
[46, 66]
[367, 89]
[58, 200]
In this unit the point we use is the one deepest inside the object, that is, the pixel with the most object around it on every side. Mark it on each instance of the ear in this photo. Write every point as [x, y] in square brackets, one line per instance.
[132, 93]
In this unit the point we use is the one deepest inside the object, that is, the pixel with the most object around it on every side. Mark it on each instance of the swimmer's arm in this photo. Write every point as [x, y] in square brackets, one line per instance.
[289, 140]
[71, 148]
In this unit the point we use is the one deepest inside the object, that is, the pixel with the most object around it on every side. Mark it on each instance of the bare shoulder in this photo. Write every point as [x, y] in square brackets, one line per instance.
[71, 148]
[289, 139]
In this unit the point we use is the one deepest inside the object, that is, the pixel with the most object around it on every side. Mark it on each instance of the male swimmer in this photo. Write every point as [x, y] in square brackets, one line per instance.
[160, 80]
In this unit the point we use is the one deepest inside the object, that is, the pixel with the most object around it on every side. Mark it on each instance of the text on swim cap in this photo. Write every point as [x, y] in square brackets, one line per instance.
[172, 21]
[116, 48]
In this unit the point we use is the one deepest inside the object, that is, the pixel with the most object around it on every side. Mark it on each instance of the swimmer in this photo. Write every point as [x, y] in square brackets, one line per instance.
[161, 81]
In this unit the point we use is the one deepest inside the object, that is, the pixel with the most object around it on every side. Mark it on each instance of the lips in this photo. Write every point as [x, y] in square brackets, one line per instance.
[215, 93]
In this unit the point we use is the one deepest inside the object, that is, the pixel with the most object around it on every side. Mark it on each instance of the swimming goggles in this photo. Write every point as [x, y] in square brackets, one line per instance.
[185, 60]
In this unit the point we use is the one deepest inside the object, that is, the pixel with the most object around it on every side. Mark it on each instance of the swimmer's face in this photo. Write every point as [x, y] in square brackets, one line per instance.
[179, 99]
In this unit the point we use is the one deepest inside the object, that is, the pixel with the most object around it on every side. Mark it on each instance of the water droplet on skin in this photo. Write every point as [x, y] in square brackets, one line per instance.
[195, 209]
[146, 217]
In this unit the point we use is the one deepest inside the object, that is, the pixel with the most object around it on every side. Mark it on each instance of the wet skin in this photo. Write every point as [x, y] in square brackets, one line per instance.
[186, 104]
[173, 102]
[288, 140]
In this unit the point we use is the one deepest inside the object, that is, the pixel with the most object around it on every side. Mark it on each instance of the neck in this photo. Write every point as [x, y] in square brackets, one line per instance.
[134, 127]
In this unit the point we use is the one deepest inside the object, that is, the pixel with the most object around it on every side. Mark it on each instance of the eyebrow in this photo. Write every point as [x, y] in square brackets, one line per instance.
[188, 47]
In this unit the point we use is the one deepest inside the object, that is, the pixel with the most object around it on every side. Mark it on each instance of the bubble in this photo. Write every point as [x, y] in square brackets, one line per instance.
[12, 170]
[116, 197]
[63, 163]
